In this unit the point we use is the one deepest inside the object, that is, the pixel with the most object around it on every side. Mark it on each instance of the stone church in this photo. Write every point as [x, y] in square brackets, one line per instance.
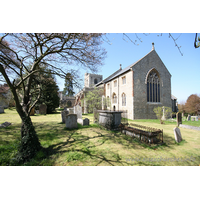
[138, 88]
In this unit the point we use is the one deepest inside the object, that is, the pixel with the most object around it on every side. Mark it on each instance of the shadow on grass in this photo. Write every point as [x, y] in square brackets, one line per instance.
[80, 148]
[71, 146]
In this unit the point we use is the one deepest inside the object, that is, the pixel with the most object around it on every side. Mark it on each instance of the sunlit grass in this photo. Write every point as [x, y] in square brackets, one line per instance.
[93, 145]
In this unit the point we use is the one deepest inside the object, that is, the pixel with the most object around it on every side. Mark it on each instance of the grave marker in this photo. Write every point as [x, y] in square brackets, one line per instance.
[64, 113]
[177, 134]
[179, 118]
[43, 109]
[1, 109]
[78, 111]
[189, 117]
[71, 121]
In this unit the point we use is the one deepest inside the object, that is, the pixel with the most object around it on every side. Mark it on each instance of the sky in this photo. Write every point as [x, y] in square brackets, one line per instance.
[185, 69]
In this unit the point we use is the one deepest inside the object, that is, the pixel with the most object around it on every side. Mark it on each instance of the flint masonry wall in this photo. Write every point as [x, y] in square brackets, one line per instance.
[141, 108]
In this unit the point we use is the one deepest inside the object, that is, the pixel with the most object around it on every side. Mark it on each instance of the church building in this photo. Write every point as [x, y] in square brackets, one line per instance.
[138, 88]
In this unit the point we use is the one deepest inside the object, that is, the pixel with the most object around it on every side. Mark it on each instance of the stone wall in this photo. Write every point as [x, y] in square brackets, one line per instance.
[142, 108]
[121, 88]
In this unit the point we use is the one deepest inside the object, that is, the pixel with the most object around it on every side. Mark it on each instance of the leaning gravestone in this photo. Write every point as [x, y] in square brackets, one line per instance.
[179, 118]
[43, 109]
[189, 117]
[71, 121]
[78, 111]
[177, 135]
[1, 109]
[64, 113]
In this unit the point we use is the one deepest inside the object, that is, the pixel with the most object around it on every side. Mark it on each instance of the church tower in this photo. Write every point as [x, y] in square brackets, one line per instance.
[92, 79]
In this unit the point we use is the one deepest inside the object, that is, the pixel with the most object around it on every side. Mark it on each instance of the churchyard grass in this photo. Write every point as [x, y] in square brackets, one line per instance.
[93, 145]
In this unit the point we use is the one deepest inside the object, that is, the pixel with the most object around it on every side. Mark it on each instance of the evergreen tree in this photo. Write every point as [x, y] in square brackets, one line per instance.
[68, 89]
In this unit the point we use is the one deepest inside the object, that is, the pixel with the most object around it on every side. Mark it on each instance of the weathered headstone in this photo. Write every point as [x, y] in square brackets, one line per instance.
[196, 118]
[179, 118]
[37, 112]
[32, 111]
[177, 134]
[71, 121]
[192, 119]
[78, 111]
[5, 124]
[43, 109]
[64, 113]
[1, 109]
[189, 117]
[84, 122]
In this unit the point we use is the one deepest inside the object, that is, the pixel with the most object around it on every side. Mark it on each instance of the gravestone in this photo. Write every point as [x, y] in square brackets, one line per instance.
[5, 124]
[65, 108]
[43, 109]
[1, 109]
[179, 118]
[177, 134]
[193, 119]
[196, 118]
[189, 117]
[78, 111]
[84, 122]
[37, 112]
[71, 121]
[64, 113]
[32, 111]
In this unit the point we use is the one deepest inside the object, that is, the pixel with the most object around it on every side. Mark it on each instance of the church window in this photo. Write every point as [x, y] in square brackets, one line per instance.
[124, 80]
[95, 81]
[108, 86]
[108, 101]
[153, 87]
[114, 98]
[123, 99]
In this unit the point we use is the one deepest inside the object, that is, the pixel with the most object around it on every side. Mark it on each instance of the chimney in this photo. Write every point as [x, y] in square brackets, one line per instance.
[153, 46]
[120, 66]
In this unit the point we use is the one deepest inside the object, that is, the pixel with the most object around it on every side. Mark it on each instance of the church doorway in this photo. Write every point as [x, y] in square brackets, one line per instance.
[113, 108]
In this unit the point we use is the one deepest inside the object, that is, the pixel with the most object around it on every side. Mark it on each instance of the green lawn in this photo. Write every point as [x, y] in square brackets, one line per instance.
[95, 146]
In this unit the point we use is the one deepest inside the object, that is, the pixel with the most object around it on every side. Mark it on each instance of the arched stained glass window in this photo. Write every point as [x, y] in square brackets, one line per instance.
[153, 87]
[114, 98]
[123, 99]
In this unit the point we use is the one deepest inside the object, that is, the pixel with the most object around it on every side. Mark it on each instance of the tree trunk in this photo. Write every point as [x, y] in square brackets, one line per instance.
[30, 144]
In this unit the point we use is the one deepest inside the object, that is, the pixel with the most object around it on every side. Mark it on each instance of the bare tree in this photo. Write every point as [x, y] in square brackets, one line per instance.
[54, 50]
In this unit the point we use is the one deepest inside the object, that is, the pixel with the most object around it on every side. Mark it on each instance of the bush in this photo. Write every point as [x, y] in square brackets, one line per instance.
[159, 113]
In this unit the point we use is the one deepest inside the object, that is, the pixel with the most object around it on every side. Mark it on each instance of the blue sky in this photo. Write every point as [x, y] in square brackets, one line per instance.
[185, 70]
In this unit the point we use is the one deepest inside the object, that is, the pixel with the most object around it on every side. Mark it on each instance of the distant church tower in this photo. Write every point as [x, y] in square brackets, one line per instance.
[92, 79]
